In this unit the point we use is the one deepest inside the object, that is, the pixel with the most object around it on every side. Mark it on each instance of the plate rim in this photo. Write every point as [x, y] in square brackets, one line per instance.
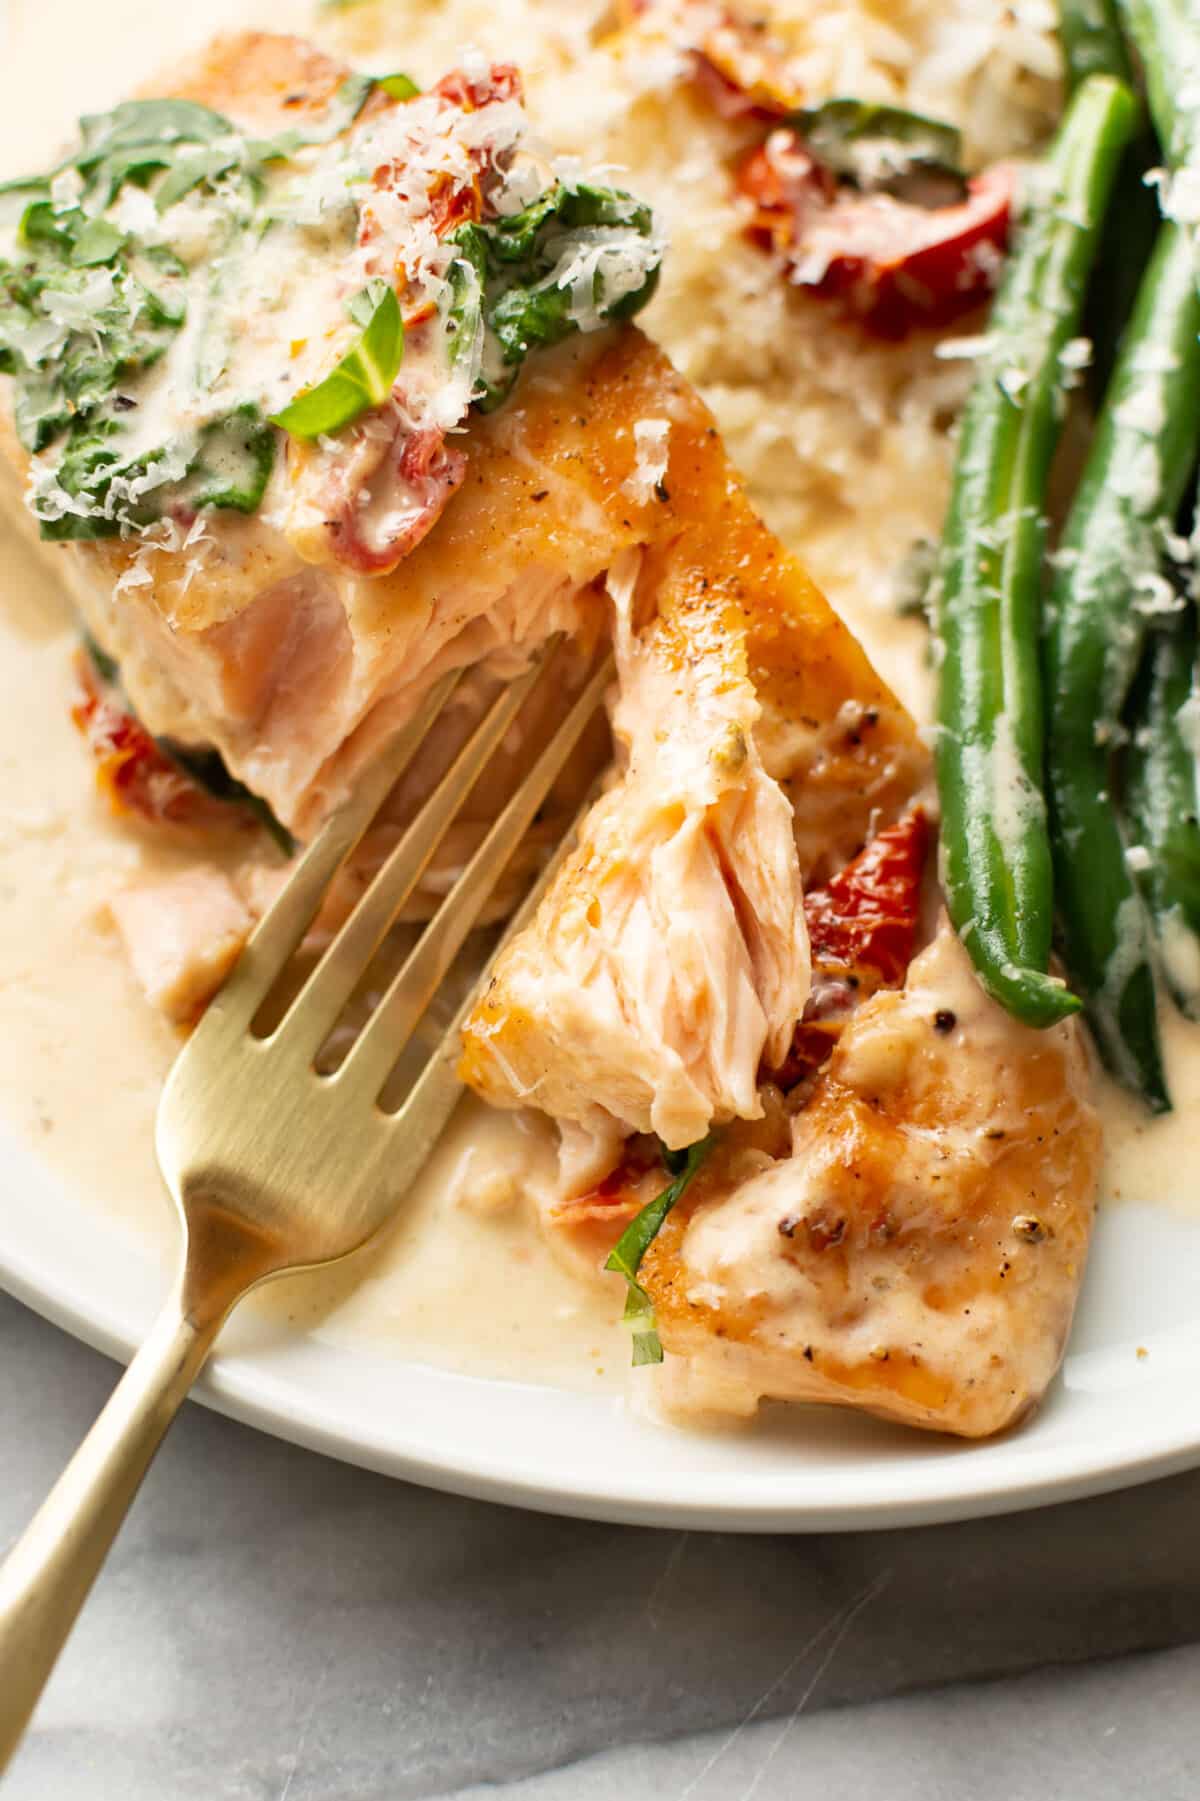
[243, 1386]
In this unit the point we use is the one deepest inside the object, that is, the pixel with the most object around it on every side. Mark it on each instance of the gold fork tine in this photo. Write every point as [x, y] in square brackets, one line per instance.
[418, 1121]
[373, 1055]
[280, 932]
[307, 1021]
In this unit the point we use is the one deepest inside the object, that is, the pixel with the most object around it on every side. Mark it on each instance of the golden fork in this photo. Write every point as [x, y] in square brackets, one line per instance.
[274, 1166]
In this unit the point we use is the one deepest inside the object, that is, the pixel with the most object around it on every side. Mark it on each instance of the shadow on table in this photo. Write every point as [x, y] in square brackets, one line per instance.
[271, 1622]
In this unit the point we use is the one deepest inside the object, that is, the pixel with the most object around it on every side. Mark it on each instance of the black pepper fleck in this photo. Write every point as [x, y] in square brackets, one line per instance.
[944, 1020]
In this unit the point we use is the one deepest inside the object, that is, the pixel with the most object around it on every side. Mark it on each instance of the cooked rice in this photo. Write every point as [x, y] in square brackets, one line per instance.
[844, 440]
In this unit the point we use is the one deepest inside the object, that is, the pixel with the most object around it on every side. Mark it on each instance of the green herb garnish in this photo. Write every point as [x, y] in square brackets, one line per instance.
[362, 379]
[626, 1256]
[229, 467]
[879, 148]
[399, 86]
[93, 295]
[205, 767]
[516, 277]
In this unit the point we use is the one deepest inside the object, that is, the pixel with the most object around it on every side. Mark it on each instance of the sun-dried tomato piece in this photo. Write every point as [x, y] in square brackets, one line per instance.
[452, 204]
[132, 770]
[862, 928]
[622, 1193]
[501, 81]
[866, 916]
[890, 263]
[390, 495]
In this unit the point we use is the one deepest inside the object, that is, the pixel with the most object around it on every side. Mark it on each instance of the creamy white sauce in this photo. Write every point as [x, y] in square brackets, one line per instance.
[82, 1057]
[464, 1280]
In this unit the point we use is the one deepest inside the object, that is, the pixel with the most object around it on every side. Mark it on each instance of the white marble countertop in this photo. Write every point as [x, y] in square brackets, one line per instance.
[273, 1626]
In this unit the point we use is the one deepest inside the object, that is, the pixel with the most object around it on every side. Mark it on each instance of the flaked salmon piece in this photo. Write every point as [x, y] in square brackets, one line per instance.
[758, 748]
[182, 935]
[918, 1250]
[673, 954]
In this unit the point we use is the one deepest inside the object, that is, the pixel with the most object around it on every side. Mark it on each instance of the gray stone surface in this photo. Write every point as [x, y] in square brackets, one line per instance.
[274, 1625]
[1111, 1732]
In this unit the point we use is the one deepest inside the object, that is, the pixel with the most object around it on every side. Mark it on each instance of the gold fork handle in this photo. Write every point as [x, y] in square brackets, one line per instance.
[46, 1577]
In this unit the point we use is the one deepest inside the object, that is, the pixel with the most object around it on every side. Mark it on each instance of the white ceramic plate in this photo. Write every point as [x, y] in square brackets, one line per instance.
[1115, 1417]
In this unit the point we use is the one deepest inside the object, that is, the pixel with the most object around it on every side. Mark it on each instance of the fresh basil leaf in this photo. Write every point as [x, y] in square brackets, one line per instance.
[193, 167]
[233, 464]
[138, 167]
[40, 412]
[639, 1317]
[97, 241]
[77, 528]
[573, 207]
[467, 277]
[351, 96]
[876, 147]
[207, 769]
[362, 308]
[32, 185]
[513, 239]
[584, 203]
[136, 123]
[16, 195]
[506, 274]
[626, 1256]
[157, 279]
[525, 318]
[399, 86]
[42, 224]
[105, 666]
[362, 379]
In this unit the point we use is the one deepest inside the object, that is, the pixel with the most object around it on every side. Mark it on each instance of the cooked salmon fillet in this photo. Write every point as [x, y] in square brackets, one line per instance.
[918, 1248]
[277, 637]
[911, 1238]
[758, 745]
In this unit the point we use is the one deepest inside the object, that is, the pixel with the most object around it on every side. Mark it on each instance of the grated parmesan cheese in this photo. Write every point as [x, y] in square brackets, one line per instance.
[650, 438]
[1154, 596]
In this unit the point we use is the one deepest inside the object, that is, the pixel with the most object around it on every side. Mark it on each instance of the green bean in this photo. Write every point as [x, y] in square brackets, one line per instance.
[1167, 36]
[1092, 43]
[996, 863]
[1107, 582]
[1162, 804]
